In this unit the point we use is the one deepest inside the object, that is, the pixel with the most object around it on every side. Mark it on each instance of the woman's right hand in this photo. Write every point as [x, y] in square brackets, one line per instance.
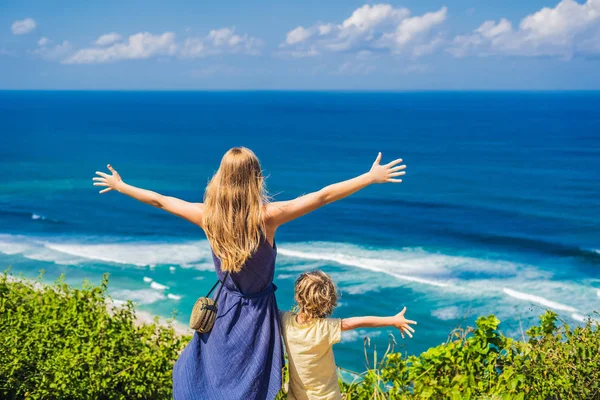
[111, 181]
[386, 173]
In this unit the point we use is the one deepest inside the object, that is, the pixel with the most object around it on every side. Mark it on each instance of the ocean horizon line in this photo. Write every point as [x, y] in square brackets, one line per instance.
[350, 91]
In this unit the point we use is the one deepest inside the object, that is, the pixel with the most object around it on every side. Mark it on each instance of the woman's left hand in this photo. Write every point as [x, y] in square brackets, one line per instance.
[388, 172]
[111, 181]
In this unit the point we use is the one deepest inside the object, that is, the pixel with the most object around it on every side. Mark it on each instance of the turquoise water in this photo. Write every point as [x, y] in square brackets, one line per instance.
[499, 211]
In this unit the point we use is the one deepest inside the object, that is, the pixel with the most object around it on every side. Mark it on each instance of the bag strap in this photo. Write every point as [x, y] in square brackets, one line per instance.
[221, 288]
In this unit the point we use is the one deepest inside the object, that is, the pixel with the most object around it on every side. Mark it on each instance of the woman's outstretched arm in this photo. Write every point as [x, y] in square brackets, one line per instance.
[278, 213]
[189, 211]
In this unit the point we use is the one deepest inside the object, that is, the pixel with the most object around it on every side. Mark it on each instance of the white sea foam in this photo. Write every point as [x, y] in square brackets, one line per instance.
[204, 266]
[578, 317]
[447, 313]
[465, 277]
[157, 286]
[143, 296]
[40, 217]
[412, 265]
[173, 296]
[147, 280]
[374, 264]
[285, 276]
[140, 254]
[351, 336]
[297, 265]
[539, 300]
[12, 247]
[172, 268]
[192, 254]
[362, 288]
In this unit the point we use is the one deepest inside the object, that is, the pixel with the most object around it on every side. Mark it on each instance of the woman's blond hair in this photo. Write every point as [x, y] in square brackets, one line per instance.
[316, 296]
[233, 208]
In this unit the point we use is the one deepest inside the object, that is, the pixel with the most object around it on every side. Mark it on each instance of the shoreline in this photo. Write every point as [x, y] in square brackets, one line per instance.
[146, 318]
[141, 317]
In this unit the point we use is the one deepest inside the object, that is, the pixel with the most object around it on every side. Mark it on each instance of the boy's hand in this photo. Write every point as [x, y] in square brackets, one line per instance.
[403, 324]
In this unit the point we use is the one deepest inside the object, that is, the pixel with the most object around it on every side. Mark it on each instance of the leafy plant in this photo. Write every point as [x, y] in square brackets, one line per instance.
[58, 342]
[66, 343]
[555, 362]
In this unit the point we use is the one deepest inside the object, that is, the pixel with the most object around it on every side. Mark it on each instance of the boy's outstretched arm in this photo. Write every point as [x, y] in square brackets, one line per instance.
[397, 320]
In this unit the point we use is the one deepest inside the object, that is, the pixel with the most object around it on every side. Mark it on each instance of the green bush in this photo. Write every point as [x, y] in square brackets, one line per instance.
[57, 342]
[555, 362]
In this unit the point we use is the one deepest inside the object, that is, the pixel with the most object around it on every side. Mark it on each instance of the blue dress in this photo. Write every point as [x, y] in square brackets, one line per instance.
[242, 356]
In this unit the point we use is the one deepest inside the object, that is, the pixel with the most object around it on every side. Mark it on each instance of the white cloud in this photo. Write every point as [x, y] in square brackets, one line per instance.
[430, 47]
[562, 21]
[378, 26]
[44, 41]
[23, 27]
[193, 48]
[108, 39]
[409, 28]
[298, 35]
[213, 70]
[365, 55]
[568, 29]
[368, 17]
[112, 47]
[227, 38]
[302, 53]
[418, 69]
[352, 68]
[220, 41]
[325, 29]
[138, 46]
[53, 53]
[491, 29]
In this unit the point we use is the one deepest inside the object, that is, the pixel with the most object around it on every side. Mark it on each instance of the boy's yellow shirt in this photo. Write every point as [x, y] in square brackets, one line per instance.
[310, 355]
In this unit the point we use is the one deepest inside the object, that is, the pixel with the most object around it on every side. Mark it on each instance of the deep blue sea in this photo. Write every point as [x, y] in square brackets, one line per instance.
[499, 211]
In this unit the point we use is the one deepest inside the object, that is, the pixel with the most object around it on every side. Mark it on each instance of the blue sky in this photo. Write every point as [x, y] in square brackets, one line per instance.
[306, 45]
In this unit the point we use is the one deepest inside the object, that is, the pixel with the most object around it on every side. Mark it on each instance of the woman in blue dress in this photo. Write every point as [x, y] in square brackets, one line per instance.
[242, 356]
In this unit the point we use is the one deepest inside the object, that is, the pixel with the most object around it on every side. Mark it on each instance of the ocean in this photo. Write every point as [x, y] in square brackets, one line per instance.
[499, 211]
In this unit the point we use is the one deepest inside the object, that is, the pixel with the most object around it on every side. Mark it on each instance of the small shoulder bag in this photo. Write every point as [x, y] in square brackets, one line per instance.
[205, 310]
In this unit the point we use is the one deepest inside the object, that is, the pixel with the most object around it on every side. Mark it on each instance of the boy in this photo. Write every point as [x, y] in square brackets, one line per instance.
[309, 334]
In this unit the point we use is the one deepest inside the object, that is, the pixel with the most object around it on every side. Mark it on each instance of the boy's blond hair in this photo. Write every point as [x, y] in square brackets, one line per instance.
[316, 295]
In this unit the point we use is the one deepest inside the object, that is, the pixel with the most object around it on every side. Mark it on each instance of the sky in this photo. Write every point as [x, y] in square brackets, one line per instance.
[300, 45]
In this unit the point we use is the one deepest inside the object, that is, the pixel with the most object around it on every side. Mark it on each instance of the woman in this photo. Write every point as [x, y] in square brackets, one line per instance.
[241, 357]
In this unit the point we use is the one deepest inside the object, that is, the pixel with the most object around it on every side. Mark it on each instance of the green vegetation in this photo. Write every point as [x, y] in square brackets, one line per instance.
[57, 342]
[555, 362]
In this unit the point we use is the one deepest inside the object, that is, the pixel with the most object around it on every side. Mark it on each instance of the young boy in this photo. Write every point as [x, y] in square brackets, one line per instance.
[309, 334]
